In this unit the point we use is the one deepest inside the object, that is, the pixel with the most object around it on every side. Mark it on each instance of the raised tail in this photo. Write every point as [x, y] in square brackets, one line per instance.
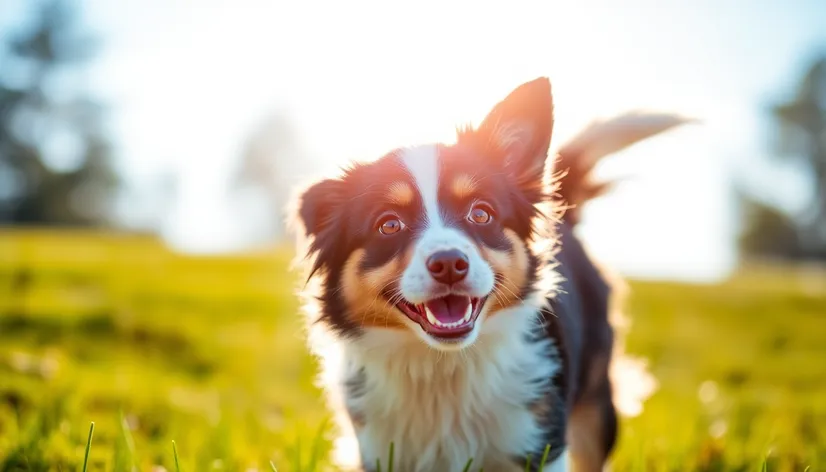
[575, 186]
[578, 157]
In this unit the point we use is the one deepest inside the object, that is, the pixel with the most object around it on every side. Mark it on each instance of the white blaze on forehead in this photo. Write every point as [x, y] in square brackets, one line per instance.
[417, 284]
[423, 164]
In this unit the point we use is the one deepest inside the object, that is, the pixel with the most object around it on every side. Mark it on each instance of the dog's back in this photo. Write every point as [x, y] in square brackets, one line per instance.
[583, 302]
[581, 310]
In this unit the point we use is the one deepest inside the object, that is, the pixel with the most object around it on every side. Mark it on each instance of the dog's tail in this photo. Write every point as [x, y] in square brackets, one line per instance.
[575, 186]
[578, 157]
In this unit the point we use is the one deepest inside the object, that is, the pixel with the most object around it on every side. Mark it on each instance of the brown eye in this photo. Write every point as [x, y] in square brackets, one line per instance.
[480, 214]
[390, 224]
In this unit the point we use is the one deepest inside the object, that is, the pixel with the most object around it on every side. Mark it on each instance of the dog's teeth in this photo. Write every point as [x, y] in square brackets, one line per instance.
[435, 321]
[468, 313]
[432, 319]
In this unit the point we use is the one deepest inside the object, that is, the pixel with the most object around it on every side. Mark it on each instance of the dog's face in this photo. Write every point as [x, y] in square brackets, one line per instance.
[433, 239]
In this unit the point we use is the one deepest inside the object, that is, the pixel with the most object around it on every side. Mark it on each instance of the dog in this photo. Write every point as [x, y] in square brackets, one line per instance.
[455, 313]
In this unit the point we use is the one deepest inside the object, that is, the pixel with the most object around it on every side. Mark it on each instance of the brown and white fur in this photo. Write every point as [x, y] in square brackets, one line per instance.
[454, 311]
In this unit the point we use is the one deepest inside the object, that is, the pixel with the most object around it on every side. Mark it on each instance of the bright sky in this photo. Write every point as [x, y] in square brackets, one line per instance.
[190, 79]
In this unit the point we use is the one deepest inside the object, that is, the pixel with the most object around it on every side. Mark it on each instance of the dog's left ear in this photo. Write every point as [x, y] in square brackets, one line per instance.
[316, 216]
[517, 132]
[318, 206]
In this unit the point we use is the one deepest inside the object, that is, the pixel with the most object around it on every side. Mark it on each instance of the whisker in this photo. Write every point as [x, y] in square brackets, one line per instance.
[500, 297]
[504, 285]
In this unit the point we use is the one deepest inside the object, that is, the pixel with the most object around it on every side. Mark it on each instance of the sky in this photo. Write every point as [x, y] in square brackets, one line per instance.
[189, 80]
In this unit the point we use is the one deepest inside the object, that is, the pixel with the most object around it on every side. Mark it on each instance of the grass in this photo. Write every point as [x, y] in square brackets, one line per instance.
[89, 447]
[175, 452]
[154, 347]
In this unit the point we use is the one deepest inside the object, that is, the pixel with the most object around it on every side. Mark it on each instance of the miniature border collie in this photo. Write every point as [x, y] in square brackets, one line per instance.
[456, 314]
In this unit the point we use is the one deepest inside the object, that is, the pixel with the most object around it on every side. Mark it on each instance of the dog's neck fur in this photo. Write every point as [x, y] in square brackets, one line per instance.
[442, 408]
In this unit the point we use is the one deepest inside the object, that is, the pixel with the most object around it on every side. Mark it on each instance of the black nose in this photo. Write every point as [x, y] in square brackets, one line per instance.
[448, 267]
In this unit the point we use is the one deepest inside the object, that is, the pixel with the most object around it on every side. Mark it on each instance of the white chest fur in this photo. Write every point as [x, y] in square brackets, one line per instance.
[441, 409]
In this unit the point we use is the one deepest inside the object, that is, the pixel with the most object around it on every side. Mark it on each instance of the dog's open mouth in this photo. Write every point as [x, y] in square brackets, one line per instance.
[447, 317]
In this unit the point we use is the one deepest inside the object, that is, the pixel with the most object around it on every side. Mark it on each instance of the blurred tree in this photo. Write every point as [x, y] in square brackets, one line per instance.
[272, 163]
[55, 166]
[769, 232]
[801, 126]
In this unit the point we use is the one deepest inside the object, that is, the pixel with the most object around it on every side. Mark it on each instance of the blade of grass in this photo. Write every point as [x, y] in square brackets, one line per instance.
[175, 453]
[545, 456]
[467, 466]
[88, 446]
[126, 434]
[392, 451]
[272, 466]
[528, 463]
[316, 451]
[378, 465]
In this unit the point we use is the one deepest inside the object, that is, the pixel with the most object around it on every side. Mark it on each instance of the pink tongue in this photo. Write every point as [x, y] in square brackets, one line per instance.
[449, 309]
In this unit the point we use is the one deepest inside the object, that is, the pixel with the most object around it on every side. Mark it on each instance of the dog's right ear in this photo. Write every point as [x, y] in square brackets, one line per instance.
[516, 134]
[318, 206]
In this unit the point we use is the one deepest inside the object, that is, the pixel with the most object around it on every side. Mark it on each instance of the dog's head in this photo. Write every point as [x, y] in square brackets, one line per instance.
[434, 239]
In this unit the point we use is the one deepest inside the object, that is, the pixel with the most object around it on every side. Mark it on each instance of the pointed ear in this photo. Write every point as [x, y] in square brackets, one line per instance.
[517, 132]
[318, 206]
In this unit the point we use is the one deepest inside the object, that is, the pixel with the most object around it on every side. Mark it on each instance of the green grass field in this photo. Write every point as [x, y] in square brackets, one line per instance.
[208, 352]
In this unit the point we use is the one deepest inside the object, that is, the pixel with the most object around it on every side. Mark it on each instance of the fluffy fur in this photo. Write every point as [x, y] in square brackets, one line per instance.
[453, 309]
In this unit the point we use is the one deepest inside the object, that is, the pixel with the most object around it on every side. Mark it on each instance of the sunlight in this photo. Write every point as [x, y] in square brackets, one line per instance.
[178, 331]
[426, 84]
[357, 88]
[429, 83]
